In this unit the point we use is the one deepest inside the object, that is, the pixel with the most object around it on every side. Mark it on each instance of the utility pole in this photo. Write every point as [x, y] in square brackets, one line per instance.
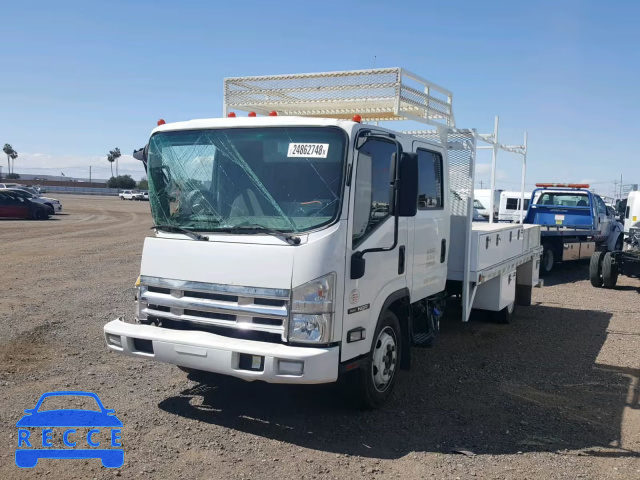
[620, 186]
[480, 183]
[89, 173]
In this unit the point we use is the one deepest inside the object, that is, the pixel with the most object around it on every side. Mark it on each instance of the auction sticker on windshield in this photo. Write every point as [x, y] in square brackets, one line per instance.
[308, 150]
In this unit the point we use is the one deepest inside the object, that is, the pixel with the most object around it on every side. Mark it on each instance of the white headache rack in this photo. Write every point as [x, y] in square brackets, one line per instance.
[379, 94]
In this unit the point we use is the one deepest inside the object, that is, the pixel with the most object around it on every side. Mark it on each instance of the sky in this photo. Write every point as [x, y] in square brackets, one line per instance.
[81, 78]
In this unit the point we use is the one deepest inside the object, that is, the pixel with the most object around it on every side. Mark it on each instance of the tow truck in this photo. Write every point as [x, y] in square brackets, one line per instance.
[575, 223]
[304, 242]
[605, 267]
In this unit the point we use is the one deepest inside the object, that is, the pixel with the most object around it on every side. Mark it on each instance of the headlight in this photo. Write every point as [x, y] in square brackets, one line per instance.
[312, 311]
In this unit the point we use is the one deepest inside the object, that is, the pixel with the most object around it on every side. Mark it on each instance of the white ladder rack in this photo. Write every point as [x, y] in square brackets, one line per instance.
[379, 94]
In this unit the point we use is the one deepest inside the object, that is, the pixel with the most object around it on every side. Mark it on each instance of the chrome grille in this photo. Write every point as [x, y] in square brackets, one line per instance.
[207, 304]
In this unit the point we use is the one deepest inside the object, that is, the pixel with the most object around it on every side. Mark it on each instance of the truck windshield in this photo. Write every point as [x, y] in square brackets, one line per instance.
[563, 199]
[283, 178]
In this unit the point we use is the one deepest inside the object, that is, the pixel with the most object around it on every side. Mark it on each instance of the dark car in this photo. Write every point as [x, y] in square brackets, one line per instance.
[13, 205]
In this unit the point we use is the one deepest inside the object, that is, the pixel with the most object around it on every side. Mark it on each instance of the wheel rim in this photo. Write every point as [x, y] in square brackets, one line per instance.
[385, 358]
[548, 260]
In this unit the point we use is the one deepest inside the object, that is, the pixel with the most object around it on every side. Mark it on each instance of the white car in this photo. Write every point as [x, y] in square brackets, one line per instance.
[128, 194]
[53, 203]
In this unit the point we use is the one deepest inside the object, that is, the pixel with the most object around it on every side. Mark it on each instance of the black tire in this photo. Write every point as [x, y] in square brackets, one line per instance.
[505, 315]
[548, 260]
[40, 214]
[373, 387]
[609, 271]
[595, 269]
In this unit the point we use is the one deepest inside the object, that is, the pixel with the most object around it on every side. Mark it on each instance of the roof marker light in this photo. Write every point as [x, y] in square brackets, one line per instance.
[161, 122]
[563, 185]
[231, 114]
[273, 114]
[252, 114]
[357, 118]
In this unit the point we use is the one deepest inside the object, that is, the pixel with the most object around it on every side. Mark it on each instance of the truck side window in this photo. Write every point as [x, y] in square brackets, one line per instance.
[429, 180]
[602, 208]
[372, 187]
[512, 204]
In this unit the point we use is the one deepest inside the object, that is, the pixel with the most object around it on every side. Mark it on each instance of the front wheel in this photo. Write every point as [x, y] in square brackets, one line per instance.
[376, 381]
[41, 215]
[609, 271]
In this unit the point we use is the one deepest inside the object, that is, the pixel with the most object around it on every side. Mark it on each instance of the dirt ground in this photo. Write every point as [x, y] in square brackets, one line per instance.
[553, 395]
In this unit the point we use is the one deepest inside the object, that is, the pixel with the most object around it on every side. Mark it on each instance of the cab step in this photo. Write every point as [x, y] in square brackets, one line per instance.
[424, 340]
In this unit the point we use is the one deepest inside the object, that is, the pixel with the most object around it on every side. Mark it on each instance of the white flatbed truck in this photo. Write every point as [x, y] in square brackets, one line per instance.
[299, 244]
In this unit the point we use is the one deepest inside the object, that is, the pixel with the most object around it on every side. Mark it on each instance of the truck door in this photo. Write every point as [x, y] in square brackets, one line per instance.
[371, 225]
[429, 248]
[604, 219]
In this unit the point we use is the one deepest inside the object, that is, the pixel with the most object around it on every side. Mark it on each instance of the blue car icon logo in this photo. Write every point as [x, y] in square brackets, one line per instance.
[84, 432]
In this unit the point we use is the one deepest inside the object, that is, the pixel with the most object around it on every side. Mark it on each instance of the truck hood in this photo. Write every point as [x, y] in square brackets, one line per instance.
[242, 264]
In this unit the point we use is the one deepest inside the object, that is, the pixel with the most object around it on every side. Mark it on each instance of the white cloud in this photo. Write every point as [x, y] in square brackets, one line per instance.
[485, 169]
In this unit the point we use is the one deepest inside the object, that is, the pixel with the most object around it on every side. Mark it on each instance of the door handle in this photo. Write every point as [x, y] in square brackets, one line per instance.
[401, 256]
[443, 250]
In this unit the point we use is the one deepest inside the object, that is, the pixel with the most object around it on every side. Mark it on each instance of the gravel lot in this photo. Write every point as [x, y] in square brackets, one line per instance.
[553, 395]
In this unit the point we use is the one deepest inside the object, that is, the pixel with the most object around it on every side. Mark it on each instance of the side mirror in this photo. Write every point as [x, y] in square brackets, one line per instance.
[358, 264]
[142, 154]
[408, 185]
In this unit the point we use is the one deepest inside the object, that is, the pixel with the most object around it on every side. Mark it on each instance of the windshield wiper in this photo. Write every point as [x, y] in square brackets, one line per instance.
[255, 228]
[188, 233]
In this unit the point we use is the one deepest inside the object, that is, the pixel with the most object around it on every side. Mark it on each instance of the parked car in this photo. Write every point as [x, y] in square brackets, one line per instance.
[14, 205]
[128, 194]
[10, 185]
[141, 195]
[54, 203]
[477, 217]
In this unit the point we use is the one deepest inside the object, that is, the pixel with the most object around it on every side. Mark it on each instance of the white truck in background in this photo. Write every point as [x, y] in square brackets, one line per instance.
[509, 209]
[303, 244]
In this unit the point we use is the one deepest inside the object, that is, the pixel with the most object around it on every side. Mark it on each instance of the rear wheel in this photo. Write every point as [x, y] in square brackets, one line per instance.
[609, 271]
[548, 259]
[595, 269]
[376, 381]
[505, 315]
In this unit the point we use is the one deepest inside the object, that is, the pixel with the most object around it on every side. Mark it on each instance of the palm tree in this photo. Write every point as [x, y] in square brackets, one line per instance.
[11, 155]
[113, 157]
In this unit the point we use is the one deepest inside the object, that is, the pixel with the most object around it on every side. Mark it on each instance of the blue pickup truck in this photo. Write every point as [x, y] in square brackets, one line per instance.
[574, 222]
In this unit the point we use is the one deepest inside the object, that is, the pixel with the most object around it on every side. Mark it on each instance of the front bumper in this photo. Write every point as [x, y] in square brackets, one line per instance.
[218, 354]
[57, 208]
